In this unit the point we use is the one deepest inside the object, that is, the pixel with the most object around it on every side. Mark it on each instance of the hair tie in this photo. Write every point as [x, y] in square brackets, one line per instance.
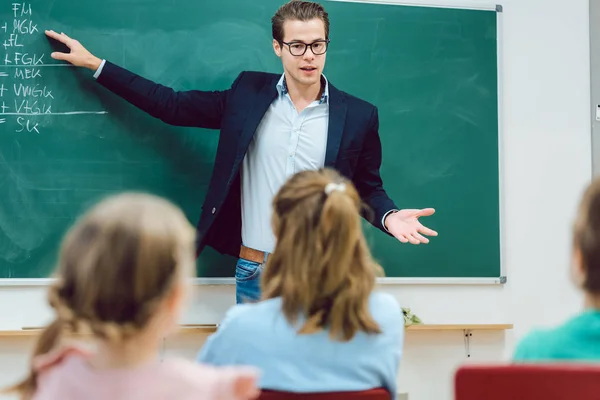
[330, 187]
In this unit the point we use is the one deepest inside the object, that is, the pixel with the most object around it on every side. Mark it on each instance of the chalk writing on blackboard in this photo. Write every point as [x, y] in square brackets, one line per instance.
[27, 100]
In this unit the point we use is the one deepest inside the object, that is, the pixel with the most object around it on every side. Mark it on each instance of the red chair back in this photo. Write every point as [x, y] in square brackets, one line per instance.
[372, 394]
[527, 382]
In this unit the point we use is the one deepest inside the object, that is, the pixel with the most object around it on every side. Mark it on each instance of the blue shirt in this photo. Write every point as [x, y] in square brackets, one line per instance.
[258, 334]
[286, 141]
[578, 339]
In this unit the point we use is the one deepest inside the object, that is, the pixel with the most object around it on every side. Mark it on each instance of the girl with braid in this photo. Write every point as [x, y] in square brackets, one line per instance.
[121, 281]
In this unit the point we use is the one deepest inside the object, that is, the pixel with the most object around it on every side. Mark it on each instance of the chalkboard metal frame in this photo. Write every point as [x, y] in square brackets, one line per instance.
[33, 282]
[468, 5]
[36, 282]
[595, 84]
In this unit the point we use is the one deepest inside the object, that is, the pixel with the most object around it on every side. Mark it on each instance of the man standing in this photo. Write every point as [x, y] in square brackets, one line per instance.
[271, 126]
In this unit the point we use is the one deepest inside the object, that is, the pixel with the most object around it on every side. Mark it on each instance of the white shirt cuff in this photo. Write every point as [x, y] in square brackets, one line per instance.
[99, 70]
[383, 219]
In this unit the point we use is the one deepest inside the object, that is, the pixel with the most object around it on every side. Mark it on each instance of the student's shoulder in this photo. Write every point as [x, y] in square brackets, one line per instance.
[549, 342]
[386, 309]
[385, 300]
[536, 345]
[251, 312]
[561, 341]
[59, 373]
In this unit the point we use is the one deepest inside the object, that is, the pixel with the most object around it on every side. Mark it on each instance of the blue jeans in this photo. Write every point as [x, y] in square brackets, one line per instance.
[247, 281]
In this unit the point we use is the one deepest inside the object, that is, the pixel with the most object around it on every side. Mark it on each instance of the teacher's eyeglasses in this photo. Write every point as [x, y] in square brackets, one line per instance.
[299, 48]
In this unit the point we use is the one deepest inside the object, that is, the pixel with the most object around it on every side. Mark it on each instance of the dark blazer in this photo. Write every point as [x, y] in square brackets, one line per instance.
[353, 144]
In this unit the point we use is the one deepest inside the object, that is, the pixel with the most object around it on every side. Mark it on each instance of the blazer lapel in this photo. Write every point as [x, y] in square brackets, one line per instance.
[337, 117]
[263, 100]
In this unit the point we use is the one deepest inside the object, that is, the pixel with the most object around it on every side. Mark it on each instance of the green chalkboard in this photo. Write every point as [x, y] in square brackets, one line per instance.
[66, 142]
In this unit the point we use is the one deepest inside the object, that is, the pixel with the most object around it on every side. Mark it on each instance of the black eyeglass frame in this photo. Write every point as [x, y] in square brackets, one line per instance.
[306, 46]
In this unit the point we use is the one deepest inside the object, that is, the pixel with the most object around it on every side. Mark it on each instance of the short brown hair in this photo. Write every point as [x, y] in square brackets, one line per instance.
[586, 236]
[321, 266]
[117, 264]
[301, 11]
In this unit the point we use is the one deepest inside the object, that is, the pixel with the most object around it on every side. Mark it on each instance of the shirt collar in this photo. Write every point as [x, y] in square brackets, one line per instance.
[283, 89]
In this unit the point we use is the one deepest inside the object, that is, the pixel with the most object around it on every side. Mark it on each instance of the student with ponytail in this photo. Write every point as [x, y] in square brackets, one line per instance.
[121, 282]
[320, 326]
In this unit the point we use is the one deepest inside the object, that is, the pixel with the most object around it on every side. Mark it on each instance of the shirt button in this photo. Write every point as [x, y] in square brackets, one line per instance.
[213, 210]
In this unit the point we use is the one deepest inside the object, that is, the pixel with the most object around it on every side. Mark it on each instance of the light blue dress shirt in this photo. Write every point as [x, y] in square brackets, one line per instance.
[257, 334]
[286, 141]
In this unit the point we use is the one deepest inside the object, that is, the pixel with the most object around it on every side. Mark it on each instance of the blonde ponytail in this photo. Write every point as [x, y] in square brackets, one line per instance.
[321, 266]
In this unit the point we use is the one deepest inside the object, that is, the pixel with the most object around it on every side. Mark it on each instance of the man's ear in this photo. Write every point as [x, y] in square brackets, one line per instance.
[277, 48]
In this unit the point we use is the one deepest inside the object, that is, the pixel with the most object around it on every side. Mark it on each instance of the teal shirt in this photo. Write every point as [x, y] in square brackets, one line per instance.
[576, 340]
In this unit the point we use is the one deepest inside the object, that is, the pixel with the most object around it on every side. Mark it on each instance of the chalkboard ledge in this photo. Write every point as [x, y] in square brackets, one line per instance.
[210, 328]
[30, 282]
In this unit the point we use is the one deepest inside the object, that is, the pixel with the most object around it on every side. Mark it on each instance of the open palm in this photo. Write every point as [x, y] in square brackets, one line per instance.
[404, 225]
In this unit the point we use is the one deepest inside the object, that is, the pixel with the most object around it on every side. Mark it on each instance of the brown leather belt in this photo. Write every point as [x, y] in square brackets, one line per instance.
[252, 255]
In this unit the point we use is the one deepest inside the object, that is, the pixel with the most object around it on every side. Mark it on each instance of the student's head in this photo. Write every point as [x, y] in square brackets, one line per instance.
[586, 240]
[295, 25]
[121, 273]
[321, 266]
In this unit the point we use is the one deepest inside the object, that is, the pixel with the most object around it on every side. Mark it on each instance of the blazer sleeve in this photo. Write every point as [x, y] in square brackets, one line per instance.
[367, 178]
[203, 109]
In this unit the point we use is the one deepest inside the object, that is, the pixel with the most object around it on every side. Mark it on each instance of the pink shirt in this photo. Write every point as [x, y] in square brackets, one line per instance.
[179, 379]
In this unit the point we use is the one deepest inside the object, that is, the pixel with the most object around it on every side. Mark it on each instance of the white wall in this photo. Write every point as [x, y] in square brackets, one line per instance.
[547, 163]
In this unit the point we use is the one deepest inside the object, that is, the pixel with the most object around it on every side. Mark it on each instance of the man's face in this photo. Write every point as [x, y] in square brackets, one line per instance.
[304, 69]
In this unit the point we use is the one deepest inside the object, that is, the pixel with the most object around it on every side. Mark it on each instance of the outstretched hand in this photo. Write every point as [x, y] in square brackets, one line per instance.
[78, 55]
[404, 225]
